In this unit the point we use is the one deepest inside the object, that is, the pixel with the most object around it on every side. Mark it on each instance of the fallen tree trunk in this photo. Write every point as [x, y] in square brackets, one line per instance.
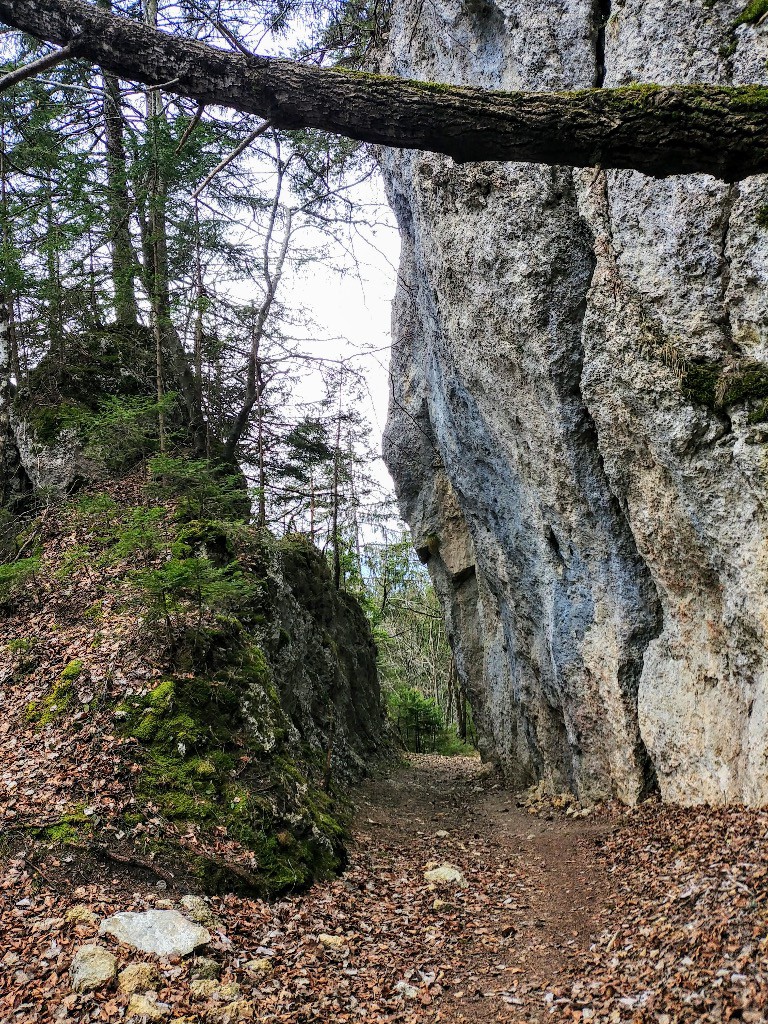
[659, 130]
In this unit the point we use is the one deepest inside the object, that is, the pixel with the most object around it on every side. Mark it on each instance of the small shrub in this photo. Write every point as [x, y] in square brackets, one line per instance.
[191, 587]
[142, 532]
[202, 489]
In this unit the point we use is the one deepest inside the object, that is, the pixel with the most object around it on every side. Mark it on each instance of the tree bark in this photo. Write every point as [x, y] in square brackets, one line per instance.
[657, 130]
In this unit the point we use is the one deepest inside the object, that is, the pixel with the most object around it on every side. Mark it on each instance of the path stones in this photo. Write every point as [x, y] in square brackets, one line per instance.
[81, 914]
[92, 967]
[204, 969]
[146, 1007]
[138, 978]
[241, 1009]
[260, 967]
[446, 874]
[212, 989]
[163, 932]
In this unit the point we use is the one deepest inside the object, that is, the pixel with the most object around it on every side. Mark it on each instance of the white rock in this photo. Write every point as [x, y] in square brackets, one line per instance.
[446, 874]
[164, 932]
[92, 967]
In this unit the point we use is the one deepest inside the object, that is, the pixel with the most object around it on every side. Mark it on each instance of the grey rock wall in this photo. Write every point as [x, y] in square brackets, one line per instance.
[575, 431]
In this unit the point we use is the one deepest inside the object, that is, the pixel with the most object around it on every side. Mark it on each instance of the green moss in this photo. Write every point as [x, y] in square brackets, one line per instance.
[57, 700]
[71, 828]
[746, 383]
[700, 383]
[73, 670]
[709, 384]
[14, 577]
[762, 216]
[752, 13]
[194, 734]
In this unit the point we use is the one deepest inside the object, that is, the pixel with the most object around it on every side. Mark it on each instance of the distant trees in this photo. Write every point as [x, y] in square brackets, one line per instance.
[132, 223]
[427, 703]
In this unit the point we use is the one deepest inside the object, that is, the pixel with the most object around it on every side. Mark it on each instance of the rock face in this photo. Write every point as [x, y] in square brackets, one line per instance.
[577, 432]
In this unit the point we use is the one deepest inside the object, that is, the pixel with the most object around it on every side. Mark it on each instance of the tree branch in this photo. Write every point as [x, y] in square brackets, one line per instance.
[232, 156]
[35, 67]
[659, 130]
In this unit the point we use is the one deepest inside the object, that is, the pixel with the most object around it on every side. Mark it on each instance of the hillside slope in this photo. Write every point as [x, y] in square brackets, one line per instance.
[180, 693]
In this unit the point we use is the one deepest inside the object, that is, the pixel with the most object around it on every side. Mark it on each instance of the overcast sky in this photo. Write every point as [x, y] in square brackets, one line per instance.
[353, 312]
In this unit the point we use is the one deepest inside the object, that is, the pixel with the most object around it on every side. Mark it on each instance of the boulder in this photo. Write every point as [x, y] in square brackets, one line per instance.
[163, 932]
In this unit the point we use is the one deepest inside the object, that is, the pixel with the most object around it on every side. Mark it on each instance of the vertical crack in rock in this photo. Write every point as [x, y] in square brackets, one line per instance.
[603, 14]
[729, 200]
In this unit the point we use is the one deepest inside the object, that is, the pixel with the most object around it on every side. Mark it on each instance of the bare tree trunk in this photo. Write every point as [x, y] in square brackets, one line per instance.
[157, 247]
[119, 207]
[118, 201]
[660, 130]
[262, 516]
[336, 471]
[11, 355]
[254, 386]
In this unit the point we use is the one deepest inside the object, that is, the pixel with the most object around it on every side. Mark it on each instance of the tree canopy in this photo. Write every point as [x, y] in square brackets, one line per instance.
[659, 130]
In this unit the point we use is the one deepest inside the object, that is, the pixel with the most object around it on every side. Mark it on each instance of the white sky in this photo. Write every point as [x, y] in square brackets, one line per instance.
[353, 311]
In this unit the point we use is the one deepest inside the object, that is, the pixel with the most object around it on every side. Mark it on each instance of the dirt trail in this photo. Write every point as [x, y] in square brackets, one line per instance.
[536, 895]
[675, 898]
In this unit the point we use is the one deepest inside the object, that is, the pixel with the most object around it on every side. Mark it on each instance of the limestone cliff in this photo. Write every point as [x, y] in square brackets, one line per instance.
[578, 423]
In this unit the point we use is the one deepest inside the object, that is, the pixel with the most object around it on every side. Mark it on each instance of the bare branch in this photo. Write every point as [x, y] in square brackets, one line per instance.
[50, 60]
[190, 128]
[232, 156]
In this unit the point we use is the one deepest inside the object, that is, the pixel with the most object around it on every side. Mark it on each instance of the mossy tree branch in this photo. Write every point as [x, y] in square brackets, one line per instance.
[658, 130]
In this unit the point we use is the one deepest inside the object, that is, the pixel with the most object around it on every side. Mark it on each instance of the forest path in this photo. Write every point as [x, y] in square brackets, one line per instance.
[652, 914]
[535, 894]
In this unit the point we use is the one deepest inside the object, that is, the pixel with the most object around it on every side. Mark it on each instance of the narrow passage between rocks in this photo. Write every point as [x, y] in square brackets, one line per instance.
[502, 946]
